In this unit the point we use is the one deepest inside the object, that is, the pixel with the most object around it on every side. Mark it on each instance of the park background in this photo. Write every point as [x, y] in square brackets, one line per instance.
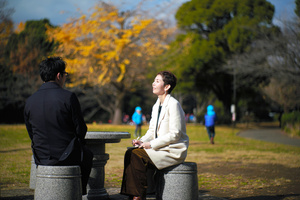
[223, 52]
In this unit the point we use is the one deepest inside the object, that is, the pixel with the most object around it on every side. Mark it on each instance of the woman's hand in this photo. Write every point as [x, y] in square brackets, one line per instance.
[145, 145]
[136, 143]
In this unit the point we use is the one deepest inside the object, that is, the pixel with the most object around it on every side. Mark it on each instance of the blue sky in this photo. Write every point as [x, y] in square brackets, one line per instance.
[59, 11]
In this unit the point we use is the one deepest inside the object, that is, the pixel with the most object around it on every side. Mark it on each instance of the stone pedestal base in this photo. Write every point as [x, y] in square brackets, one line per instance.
[177, 182]
[96, 141]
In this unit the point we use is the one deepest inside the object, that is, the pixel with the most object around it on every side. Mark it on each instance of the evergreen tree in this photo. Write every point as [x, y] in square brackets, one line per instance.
[214, 31]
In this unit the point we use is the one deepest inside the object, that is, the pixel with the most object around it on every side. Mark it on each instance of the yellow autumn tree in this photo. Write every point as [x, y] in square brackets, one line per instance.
[108, 51]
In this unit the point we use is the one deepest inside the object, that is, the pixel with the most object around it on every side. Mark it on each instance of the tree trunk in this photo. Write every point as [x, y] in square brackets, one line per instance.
[117, 117]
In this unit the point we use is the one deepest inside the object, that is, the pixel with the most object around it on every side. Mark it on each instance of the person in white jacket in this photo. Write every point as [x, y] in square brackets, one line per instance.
[165, 143]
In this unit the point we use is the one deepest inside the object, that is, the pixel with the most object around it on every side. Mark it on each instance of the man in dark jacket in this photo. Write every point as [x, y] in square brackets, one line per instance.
[53, 119]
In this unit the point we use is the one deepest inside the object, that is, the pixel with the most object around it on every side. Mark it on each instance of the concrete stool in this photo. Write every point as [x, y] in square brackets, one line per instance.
[32, 174]
[58, 182]
[177, 182]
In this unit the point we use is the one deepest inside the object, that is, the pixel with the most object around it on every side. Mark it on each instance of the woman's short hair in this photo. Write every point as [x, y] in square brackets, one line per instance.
[169, 79]
[50, 67]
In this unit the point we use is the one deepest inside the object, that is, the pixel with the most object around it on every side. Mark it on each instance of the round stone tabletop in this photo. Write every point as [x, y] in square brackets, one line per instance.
[106, 136]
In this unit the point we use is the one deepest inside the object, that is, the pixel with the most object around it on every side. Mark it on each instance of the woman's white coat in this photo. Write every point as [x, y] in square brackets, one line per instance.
[171, 145]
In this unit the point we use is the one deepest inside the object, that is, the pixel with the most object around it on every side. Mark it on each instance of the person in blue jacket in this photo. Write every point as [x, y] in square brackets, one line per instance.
[137, 118]
[210, 119]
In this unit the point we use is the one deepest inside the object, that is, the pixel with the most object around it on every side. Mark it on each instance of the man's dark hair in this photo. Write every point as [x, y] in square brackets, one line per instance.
[169, 79]
[50, 67]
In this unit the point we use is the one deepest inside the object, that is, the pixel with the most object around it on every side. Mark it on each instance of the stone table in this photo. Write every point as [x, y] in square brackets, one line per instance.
[95, 141]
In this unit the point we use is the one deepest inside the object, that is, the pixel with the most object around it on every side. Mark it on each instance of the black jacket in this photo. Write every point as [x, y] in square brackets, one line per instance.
[52, 117]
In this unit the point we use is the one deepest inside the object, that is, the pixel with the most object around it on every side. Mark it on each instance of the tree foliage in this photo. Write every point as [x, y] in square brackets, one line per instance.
[109, 52]
[214, 31]
[297, 9]
[22, 53]
[284, 69]
[272, 62]
[275, 60]
[26, 48]
[6, 27]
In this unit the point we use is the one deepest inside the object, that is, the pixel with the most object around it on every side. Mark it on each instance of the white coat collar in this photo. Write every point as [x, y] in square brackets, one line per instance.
[165, 103]
[163, 110]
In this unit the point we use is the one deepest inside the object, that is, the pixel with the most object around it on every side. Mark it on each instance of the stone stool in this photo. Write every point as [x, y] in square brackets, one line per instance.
[177, 182]
[32, 174]
[58, 182]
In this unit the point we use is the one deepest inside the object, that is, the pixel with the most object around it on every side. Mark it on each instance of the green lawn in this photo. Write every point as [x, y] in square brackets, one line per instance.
[15, 155]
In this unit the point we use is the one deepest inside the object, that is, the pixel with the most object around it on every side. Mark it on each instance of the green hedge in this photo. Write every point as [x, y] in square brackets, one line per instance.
[291, 123]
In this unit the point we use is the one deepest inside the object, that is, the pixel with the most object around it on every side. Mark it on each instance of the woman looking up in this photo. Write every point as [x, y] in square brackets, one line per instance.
[164, 144]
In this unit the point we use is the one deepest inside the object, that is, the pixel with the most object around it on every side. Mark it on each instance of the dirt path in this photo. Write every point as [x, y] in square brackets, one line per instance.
[256, 181]
[259, 181]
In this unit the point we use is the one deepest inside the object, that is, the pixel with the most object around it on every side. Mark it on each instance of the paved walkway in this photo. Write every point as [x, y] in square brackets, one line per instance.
[274, 135]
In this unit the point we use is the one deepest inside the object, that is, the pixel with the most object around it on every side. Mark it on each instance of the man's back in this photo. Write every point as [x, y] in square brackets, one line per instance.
[53, 117]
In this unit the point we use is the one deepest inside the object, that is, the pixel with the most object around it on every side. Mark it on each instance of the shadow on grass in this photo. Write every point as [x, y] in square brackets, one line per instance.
[17, 194]
[275, 197]
[25, 197]
[15, 150]
[203, 195]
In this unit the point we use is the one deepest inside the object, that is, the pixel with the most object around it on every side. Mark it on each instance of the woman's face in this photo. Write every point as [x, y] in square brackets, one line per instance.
[158, 85]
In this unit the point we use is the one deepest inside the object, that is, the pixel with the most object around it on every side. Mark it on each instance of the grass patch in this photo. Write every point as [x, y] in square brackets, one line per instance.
[15, 157]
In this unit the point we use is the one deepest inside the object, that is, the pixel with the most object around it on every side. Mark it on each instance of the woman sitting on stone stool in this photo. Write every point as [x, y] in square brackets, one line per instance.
[165, 143]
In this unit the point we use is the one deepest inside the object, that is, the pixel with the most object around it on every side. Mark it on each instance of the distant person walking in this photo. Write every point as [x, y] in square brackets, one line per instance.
[210, 119]
[137, 118]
